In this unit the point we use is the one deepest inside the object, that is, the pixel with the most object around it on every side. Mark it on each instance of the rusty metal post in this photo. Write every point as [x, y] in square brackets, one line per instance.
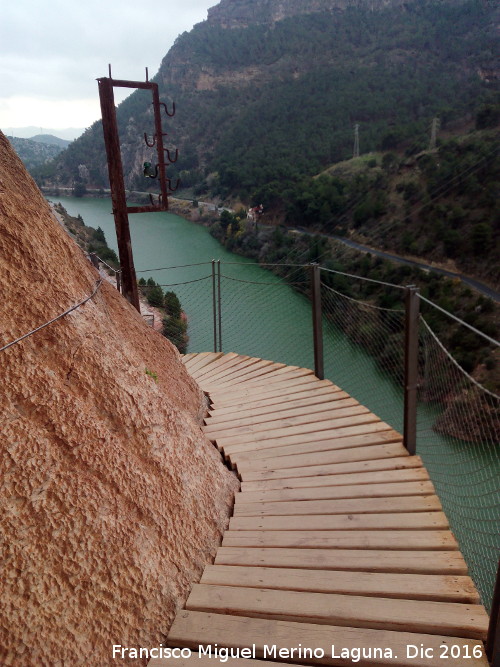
[214, 305]
[219, 304]
[119, 281]
[317, 317]
[493, 640]
[159, 145]
[94, 260]
[412, 310]
[115, 169]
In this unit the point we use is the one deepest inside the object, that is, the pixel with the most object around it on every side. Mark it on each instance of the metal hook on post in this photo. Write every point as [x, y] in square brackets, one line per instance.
[148, 170]
[169, 157]
[162, 104]
[158, 206]
[169, 183]
[147, 141]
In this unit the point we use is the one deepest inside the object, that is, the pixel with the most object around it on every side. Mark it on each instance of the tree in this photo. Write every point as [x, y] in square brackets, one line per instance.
[481, 237]
[172, 305]
[99, 235]
[79, 190]
[155, 296]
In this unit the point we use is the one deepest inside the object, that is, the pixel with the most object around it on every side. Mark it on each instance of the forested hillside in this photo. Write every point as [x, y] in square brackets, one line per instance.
[262, 104]
[35, 152]
[441, 204]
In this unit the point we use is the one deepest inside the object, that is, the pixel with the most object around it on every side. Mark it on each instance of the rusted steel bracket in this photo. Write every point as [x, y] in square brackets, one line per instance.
[115, 169]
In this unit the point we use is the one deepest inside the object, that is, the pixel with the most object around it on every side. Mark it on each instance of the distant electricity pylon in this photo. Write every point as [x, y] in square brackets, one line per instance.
[436, 123]
[356, 141]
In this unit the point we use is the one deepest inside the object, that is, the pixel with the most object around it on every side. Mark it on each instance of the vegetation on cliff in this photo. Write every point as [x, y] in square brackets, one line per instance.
[174, 321]
[442, 205]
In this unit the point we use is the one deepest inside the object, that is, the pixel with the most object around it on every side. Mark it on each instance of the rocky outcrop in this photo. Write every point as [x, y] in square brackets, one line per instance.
[111, 499]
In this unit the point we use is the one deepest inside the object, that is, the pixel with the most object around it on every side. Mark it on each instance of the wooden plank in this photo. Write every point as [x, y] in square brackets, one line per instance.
[323, 458]
[381, 434]
[382, 477]
[289, 422]
[397, 540]
[401, 521]
[390, 450]
[435, 618]
[188, 359]
[229, 399]
[293, 371]
[265, 412]
[269, 369]
[332, 427]
[249, 418]
[203, 359]
[198, 659]
[375, 560]
[225, 365]
[255, 381]
[237, 376]
[350, 506]
[192, 629]
[440, 588]
[273, 401]
[400, 489]
[283, 385]
[282, 474]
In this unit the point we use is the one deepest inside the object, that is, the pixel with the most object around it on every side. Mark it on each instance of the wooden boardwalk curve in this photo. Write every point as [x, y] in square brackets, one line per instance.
[337, 537]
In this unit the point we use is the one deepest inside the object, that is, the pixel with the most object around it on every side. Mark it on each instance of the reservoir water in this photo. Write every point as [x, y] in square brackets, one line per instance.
[262, 316]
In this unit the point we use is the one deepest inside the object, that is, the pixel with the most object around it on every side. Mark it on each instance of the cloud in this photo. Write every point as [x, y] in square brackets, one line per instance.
[51, 53]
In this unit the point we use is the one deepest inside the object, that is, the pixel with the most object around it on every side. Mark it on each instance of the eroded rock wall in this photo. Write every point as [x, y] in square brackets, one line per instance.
[111, 499]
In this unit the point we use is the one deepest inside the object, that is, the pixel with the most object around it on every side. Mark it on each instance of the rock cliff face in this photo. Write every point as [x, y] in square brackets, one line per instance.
[111, 500]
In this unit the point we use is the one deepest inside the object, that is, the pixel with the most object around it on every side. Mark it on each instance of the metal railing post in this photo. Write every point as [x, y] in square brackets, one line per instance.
[219, 304]
[412, 310]
[214, 305]
[493, 640]
[319, 370]
[94, 259]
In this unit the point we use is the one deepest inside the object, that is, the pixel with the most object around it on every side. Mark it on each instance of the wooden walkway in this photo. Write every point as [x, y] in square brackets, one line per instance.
[337, 536]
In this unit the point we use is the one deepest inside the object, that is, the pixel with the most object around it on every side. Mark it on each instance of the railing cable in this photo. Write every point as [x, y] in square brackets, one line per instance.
[452, 359]
[457, 319]
[66, 312]
[165, 268]
[370, 280]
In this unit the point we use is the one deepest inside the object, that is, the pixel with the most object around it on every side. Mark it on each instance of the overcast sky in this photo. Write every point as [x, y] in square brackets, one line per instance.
[52, 52]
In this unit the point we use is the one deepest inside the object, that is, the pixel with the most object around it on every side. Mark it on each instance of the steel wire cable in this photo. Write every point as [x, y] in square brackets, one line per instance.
[108, 266]
[458, 423]
[55, 319]
[181, 266]
[371, 341]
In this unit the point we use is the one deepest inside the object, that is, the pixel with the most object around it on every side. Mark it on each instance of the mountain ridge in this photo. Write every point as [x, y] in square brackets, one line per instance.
[251, 99]
[240, 13]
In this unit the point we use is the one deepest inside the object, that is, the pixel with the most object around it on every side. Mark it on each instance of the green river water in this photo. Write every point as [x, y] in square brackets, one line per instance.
[263, 317]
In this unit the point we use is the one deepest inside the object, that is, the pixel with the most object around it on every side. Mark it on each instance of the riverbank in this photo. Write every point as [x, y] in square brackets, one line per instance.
[190, 209]
[85, 237]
